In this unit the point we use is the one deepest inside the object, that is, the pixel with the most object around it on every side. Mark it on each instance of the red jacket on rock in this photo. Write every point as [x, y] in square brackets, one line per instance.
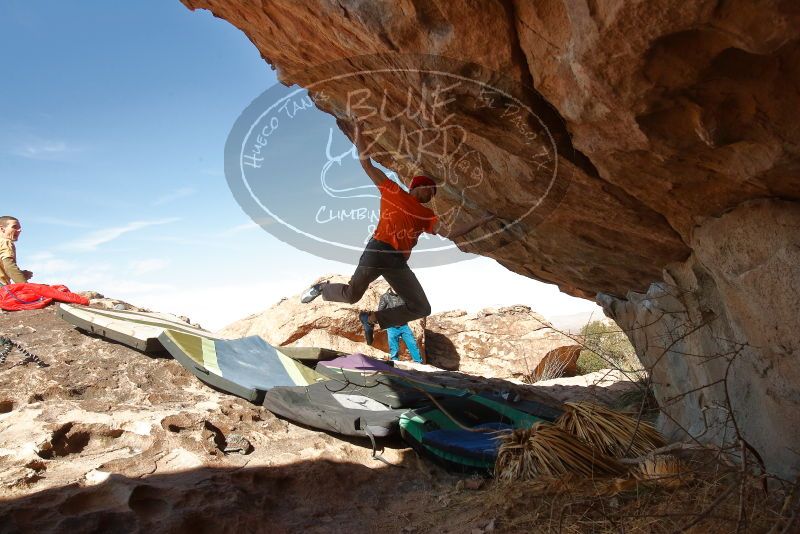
[15, 297]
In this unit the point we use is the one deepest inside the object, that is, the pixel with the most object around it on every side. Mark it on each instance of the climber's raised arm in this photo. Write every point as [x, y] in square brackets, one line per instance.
[462, 228]
[375, 174]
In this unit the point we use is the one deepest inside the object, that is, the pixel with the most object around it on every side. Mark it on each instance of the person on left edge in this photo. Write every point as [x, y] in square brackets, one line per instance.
[10, 273]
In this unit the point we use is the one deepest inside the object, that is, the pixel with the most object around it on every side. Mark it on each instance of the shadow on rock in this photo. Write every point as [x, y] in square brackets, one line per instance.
[318, 495]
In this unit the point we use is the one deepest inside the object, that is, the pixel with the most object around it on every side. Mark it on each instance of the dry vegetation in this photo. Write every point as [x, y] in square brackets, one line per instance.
[551, 484]
[549, 369]
[704, 496]
[547, 451]
[605, 346]
[608, 431]
[572, 477]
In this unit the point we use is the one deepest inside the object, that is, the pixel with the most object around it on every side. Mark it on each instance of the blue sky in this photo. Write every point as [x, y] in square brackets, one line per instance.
[113, 121]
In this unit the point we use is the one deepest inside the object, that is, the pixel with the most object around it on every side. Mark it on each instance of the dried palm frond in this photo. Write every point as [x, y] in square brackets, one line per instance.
[666, 470]
[545, 450]
[611, 432]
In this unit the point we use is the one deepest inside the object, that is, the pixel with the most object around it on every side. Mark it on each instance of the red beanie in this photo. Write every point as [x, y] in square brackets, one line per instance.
[423, 181]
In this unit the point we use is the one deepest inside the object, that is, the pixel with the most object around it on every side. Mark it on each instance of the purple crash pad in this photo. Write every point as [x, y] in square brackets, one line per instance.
[359, 362]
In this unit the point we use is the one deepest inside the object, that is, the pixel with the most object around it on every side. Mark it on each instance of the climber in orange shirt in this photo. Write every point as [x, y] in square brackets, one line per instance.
[403, 217]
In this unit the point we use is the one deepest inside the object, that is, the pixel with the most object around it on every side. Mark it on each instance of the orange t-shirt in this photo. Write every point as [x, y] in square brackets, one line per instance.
[402, 219]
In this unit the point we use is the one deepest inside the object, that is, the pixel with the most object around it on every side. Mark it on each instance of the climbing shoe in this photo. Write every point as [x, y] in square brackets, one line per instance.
[312, 292]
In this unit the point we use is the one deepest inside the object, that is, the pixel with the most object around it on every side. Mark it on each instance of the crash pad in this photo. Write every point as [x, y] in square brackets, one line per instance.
[539, 409]
[441, 431]
[330, 406]
[245, 367]
[409, 388]
[412, 388]
[481, 443]
[139, 330]
[360, 362]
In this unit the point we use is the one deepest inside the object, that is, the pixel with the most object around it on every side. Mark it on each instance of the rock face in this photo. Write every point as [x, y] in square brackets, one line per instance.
[331, 325]
[511, 342]
[660, 115]
[719, 360]
[664, 111]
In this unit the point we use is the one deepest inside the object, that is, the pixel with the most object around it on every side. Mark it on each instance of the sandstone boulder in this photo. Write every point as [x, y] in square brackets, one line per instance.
[660, 116]
[509, 342]
[659, 112]
[720, 364]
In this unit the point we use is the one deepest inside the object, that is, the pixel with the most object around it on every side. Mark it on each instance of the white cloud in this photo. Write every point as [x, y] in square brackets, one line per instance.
[41, 149]
[105, 277]
[131, 287]
[125, 290]
[241, 228]
[246, 227]
[110, 282]
[46, 264]
[93, 240]
[149, 265]
[172, 196]
[42, 255]
[48, 268]
[55, 265]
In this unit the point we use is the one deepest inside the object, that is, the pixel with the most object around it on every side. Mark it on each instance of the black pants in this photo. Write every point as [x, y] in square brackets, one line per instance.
[381, 259]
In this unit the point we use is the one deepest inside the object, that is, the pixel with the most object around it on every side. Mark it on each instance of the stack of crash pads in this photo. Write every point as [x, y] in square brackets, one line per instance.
[362, 396]
[246, 367]
[455, 427]
[352, 395]
[393, 387]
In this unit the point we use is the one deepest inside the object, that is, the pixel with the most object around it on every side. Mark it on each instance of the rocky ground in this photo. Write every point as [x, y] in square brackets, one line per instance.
[107, 439]
[110, 439]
